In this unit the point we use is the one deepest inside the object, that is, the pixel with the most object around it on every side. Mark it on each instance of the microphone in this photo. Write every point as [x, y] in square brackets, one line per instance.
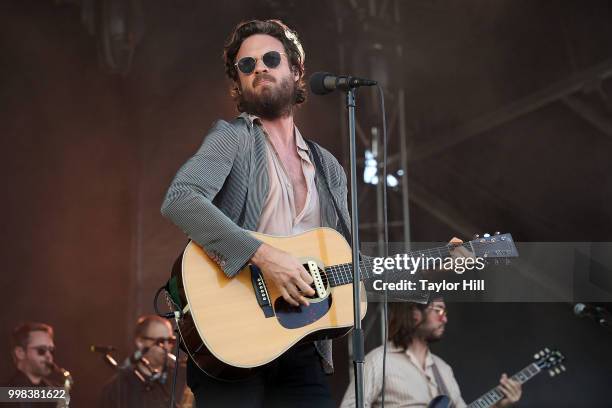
[322, 83]
[101, 349]
[139, 355]
[597, 313]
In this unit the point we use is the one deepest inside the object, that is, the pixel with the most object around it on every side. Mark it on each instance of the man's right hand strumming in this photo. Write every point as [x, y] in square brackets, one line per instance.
[286, 272]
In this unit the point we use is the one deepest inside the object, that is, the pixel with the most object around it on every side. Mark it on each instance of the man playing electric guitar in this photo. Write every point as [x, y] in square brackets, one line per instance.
[415, 376]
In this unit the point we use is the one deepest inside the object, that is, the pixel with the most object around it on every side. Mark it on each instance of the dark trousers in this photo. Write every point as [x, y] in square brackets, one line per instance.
[296, 379]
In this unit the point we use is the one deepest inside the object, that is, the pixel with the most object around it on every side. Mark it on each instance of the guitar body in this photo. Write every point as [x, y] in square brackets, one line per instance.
[224, 328]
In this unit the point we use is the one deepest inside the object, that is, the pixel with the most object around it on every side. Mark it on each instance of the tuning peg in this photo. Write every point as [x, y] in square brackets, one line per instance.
[536, 356]
[497, 233]
[557, 370]
[476, 236]
[551, 373]
[486, 235]
[546, 350]
[562, 367]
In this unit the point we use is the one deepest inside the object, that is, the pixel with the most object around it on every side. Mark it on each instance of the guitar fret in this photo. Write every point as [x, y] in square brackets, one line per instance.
[495, 395]
[535, 369]
[524, 375]
[343, 273]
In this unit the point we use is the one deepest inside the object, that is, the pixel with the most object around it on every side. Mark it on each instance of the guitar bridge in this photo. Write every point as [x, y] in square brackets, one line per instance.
[261, 291]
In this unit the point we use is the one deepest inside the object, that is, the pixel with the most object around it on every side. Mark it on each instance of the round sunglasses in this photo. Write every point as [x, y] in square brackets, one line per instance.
[161, 340]
[42, 350]
[271, 59]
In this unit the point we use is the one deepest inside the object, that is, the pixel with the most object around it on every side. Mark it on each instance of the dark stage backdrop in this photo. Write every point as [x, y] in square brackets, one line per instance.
[87, 157]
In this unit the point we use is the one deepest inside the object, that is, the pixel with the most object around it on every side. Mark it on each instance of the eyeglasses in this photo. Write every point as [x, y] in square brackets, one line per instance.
[42, 350]
[161, 340]
[440, 311]
[271, 59]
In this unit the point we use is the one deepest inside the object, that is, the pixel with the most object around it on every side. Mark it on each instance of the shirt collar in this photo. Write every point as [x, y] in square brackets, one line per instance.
[254, 119]
[392, 348]
[428, 359]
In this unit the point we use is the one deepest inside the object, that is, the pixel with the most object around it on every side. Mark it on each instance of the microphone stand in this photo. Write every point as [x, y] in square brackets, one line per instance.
[358, 336]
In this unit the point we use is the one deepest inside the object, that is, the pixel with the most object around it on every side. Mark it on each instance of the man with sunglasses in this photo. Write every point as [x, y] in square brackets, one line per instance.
[145, 379]
[415, 376]
[32, 349]
[257, 173]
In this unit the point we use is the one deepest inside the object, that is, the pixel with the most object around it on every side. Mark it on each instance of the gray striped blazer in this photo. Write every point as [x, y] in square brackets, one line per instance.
[218, 195]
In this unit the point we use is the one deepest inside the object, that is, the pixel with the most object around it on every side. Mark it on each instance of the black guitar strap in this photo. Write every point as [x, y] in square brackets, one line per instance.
[319, 167]
[441, 385]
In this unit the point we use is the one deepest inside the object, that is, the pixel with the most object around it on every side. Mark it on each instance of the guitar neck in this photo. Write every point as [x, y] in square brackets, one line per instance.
[342, 274]
[495, 395]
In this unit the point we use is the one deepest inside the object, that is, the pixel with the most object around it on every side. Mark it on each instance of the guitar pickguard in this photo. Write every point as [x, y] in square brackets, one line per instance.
[293, 317]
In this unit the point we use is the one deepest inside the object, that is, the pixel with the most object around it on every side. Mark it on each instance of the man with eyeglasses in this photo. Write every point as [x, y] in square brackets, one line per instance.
[145, 379]
[32, 349]
[414, 375]
[257, 173]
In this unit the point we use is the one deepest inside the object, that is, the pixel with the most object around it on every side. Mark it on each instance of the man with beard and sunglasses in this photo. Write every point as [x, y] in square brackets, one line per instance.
[257, 173]
[414, 375]
[32, 349]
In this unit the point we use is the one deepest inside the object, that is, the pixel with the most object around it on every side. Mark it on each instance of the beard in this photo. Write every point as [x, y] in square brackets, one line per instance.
[431, 335]
[40, 369]
[272, 101]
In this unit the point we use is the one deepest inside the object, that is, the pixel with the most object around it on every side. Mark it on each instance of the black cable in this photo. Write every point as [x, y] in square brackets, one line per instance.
[176, 314]
[169, 315]
[385, 239]
[159, 291]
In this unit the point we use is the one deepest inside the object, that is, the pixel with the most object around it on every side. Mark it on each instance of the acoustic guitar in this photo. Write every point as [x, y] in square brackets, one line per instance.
[230, 327]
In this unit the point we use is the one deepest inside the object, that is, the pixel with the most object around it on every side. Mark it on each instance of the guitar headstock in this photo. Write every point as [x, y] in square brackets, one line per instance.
[550, 360]
[494, 246]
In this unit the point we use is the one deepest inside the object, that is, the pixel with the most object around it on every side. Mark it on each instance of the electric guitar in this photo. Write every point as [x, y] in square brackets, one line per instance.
[230, 327]
[544, 360]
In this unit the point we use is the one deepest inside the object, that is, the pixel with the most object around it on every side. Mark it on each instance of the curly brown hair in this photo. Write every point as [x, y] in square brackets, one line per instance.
[273, 28]
[402, 325]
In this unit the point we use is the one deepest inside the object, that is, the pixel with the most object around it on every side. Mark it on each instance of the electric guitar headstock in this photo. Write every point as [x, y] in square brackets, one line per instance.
[550, 360]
